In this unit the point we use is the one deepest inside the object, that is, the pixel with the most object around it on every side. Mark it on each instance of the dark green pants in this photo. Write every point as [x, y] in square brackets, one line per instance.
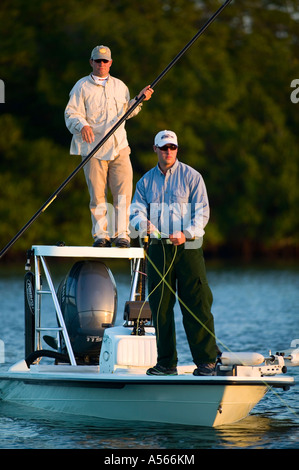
[187, 277]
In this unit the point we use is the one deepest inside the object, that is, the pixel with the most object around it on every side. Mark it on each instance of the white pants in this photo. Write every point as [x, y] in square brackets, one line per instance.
[110, 222]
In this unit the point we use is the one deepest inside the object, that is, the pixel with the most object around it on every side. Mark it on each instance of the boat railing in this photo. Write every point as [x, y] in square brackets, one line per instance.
[41, 252]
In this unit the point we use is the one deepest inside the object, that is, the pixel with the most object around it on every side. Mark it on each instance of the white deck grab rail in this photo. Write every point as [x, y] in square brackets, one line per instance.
[59, 313]
[42, 251]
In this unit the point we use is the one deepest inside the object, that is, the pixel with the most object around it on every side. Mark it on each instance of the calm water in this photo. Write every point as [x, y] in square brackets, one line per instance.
[255, 309]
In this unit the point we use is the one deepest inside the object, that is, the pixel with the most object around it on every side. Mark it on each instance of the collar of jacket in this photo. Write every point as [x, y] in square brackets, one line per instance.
[171, 169]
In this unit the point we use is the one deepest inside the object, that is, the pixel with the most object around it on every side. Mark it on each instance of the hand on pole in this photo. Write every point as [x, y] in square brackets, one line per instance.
[147, 92]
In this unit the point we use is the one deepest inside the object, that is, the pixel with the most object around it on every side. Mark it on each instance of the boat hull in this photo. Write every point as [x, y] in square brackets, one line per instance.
[183, 399]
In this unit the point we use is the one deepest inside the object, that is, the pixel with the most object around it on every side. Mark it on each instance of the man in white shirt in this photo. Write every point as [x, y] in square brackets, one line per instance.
[96, 104]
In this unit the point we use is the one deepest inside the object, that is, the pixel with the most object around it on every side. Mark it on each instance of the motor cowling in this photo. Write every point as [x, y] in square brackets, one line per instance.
[88, 301]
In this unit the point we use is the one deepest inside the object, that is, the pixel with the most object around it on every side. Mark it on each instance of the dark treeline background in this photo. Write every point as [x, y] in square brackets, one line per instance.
[228, 99]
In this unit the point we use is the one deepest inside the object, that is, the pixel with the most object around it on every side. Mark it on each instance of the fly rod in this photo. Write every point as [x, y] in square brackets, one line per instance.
[112, 130]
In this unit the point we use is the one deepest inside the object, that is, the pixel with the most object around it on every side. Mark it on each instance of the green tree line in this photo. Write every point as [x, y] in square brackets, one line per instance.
[228, 100]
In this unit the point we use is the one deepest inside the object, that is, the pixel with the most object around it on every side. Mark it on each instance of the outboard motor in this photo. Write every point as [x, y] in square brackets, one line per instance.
[88, 301]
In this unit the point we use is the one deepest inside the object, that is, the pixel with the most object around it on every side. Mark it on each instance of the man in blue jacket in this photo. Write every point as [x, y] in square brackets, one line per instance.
[171, 204]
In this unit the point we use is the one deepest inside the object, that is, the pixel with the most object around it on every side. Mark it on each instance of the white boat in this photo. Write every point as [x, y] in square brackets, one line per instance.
[99, 370]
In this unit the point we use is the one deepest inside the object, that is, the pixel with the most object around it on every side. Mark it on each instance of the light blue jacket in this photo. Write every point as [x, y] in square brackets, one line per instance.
[177, 201]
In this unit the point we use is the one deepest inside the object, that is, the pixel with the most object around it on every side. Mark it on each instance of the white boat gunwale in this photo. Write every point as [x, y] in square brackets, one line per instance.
[45, 379]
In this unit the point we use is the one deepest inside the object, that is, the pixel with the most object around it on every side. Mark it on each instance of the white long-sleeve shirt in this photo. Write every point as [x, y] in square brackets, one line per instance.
[100, 107]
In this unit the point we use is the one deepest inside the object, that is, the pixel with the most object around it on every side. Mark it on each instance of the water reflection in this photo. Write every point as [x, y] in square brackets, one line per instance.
[27, 428]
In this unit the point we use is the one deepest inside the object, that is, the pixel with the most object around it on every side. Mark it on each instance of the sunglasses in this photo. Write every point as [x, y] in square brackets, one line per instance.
[101, 60]
[166, 147]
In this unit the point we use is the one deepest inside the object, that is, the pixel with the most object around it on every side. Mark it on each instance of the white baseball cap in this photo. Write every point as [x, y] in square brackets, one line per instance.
[166, 137]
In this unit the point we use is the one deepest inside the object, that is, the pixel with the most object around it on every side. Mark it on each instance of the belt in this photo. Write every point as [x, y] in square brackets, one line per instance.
[160, 241]
[166, 241]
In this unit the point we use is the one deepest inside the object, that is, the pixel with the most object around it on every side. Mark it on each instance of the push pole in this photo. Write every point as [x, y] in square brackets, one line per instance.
[112, 130]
